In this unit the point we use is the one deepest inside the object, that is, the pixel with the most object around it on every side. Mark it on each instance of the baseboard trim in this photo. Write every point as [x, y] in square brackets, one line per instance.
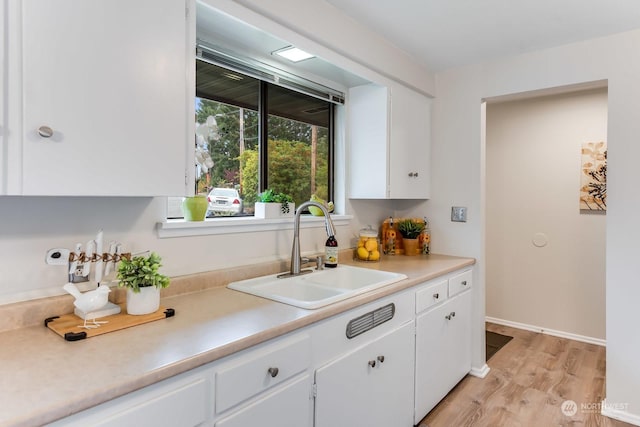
[612, 410]
[555, 333]
[480, 372]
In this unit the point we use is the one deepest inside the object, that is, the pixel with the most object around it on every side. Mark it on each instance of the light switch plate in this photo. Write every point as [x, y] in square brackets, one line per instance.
[458, 214]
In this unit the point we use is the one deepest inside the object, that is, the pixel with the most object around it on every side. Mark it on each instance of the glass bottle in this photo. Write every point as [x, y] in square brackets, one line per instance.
[331, 252]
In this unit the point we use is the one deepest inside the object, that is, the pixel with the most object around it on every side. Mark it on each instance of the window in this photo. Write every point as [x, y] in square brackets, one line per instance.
[260, 135]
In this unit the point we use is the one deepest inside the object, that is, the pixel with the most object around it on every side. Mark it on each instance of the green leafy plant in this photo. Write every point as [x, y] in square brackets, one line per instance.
[269, 196]
[410, 228]
[140, 272]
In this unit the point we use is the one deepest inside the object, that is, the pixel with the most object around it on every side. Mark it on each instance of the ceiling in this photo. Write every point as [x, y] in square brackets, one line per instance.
[441, 34]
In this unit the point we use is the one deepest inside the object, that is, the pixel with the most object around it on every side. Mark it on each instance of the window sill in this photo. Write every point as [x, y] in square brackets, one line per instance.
[181, 228]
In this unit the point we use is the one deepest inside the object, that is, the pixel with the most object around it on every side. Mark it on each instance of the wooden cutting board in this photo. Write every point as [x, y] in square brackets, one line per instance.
[69, 326]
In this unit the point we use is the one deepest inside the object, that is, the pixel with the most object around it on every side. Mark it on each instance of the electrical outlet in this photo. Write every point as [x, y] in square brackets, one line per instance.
[77, 277]
[458, 214]
[57, 256]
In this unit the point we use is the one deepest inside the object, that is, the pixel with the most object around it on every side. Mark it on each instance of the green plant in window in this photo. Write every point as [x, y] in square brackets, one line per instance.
[270, 196]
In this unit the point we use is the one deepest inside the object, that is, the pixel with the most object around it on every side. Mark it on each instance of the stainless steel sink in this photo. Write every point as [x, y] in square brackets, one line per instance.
[318, 288]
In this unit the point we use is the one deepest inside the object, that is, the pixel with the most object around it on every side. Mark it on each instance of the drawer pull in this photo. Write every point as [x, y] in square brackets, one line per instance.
[381, 359]
[464, 283]
[45, 131]
[273, 372]
[436, 296]
[450, 315]
[372, 363]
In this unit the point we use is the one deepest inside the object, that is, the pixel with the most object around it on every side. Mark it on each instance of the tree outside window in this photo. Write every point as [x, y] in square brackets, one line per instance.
[298, 138]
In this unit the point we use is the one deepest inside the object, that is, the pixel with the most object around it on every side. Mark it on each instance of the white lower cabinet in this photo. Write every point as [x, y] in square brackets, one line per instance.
[371, 386]
[443, 347]
[287, 406]
[386, 364]
[180, 401]
[266, 386]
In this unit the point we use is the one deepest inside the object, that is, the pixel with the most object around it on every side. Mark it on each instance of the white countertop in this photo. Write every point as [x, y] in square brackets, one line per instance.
[46, 378]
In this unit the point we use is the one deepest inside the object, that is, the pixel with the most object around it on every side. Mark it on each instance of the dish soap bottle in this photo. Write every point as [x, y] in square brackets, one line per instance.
[331, 252]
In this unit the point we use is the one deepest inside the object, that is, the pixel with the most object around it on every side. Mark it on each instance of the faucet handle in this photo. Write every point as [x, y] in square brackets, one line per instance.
[319, 260]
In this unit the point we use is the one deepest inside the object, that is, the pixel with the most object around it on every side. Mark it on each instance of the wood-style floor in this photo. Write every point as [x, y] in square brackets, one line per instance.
[530, 377]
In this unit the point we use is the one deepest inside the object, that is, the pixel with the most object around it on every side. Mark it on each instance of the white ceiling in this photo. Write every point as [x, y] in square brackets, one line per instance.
[442, 34]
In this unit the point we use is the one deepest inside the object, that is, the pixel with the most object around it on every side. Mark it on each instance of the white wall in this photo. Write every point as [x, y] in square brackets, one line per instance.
[32, 225]
[533, 171]
[29, 226]
[459, 174]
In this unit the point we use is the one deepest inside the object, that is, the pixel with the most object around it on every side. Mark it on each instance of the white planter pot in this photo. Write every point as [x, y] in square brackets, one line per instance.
[273, 210]
[145, 302]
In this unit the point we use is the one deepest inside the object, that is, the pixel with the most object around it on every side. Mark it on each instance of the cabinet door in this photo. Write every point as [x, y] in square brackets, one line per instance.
[182, 401]
[108, 78]
[443, 351]
[372, 386]
[288, 406]
[368, 141]
[3, 95]
[410, 147]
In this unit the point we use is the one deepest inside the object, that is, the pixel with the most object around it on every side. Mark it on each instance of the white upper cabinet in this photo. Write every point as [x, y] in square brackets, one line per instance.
[389, 141]
[3, 97]
[104, 97]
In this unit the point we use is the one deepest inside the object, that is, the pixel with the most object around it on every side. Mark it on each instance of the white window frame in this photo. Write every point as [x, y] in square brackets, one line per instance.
[181, 228]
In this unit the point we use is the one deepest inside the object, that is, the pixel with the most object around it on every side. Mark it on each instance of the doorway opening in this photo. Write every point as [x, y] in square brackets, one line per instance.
[545, 258]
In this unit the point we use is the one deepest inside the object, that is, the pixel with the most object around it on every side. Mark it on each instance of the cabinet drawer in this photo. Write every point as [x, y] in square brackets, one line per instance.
[173, 402]
[261, 369]
[460, 282]
[288, 406]
[431, 295]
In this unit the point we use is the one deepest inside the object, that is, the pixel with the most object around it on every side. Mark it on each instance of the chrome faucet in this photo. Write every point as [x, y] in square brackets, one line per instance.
[296, 260]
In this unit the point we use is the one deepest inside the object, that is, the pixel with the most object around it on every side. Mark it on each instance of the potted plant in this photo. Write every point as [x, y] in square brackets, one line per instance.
[194, 208]
[143, 282]
[274, 205]
[410, 230]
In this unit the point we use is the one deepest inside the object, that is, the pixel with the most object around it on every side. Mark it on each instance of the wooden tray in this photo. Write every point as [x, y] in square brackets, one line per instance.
[69, 326]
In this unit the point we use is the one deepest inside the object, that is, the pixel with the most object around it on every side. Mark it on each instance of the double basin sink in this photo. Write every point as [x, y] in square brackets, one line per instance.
[319, 287]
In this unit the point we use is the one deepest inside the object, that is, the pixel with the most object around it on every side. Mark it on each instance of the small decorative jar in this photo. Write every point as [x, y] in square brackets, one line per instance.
[368, 245]
[425, 240]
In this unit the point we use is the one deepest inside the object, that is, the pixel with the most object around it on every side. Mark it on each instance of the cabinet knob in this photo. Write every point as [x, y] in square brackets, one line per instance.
[273, 372]
[45, 131]
[464, 283]
[372, 363]
[436, 296]
[381, 359]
